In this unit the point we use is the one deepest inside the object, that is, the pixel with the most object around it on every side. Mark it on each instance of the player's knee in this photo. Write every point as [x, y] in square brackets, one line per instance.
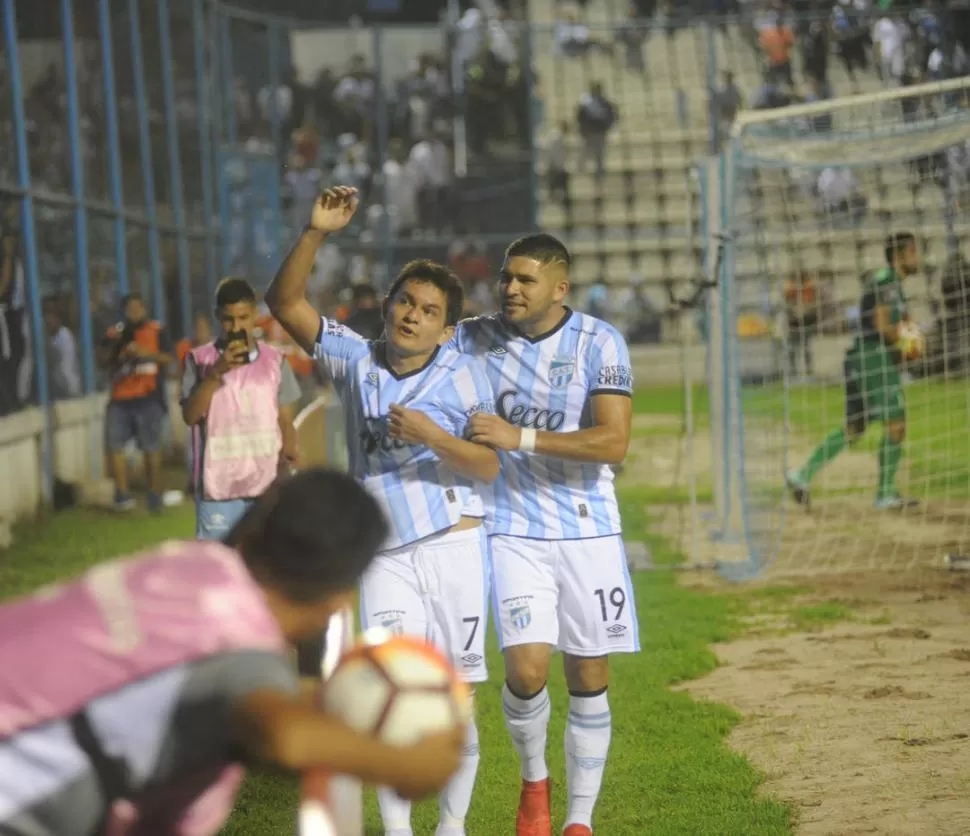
[896, 430]
[586, 674]
[526, 668]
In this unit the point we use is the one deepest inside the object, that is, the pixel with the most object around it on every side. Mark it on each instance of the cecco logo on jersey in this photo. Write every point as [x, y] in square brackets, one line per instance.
[528, 417]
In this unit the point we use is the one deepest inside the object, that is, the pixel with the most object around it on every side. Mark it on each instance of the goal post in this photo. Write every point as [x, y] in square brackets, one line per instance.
[808, 195]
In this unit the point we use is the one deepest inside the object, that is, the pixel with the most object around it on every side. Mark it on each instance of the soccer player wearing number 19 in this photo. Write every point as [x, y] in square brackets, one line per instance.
[563, 384]
[407, 400]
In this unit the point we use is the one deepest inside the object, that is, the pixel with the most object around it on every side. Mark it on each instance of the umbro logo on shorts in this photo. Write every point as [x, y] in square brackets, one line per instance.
[616, 630]
[471, 660]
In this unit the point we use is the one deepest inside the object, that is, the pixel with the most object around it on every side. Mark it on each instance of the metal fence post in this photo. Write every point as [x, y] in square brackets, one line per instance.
[114, 146]
[77, 189]
[147, 173]
[529, 71]
[382, 136]
[279, 143]
[30, 246]
[175, 167]
[205, 142]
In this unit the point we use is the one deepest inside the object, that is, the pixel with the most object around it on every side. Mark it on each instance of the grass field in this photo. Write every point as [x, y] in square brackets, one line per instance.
[670, 771]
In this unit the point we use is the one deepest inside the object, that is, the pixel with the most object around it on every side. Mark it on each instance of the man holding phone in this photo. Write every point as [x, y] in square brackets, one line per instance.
[239, 398]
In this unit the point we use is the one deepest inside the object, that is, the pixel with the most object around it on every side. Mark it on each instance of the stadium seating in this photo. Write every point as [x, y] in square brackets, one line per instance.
[636, 220]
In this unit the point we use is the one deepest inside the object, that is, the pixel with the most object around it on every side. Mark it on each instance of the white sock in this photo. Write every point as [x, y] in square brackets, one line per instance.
[457, 796]
[395, 813]
[588, 728]
[528, 722]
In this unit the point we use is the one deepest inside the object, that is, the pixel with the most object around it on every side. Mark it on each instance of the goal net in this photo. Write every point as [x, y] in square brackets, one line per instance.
[801, 388]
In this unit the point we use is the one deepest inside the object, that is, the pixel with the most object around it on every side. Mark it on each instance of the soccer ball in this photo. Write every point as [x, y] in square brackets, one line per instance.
[399, 688]
[911, 342]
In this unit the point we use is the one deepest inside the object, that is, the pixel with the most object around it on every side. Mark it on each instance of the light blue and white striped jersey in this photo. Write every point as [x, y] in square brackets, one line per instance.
[419, 494]
[547, 384]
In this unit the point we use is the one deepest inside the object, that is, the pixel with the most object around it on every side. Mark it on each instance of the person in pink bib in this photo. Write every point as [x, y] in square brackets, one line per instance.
[132, 697]
[239, 398]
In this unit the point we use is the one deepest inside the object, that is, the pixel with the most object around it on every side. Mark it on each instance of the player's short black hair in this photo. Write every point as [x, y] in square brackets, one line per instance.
[541, 246]
[232, 290]
[441, 277]
[311, 534]
[896, 243]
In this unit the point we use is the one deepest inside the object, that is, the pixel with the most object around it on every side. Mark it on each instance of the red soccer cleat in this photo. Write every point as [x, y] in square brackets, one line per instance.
[533, 818]
[577, 830]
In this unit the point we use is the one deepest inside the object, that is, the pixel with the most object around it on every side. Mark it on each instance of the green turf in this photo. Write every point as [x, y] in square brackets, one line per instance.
[670, 771]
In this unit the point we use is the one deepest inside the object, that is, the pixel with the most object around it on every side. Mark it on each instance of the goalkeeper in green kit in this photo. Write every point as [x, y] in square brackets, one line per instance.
[873, 383]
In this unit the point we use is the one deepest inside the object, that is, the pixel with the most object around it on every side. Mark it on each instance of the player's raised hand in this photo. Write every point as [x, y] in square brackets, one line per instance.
[411, 426]
[334, 209]
[493, 431]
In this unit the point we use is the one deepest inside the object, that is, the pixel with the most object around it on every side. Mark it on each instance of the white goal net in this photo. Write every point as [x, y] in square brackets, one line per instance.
[833, 451]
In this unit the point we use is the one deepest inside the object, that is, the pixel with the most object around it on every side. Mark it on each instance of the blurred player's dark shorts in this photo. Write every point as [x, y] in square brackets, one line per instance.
[873, 388]
[139, 420]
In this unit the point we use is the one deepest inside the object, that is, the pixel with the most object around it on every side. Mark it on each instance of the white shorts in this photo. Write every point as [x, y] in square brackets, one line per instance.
[573, 594]
[436, 589]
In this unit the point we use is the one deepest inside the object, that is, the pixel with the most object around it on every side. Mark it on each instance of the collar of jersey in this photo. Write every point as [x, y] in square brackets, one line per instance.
[381, 346]
[539, 338]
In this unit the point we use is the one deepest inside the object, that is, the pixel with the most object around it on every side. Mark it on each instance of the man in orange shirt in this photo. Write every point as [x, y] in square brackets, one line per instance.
[136, 350]
[778, 42]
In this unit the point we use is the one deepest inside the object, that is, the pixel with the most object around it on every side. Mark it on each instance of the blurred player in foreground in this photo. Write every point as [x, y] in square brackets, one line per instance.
[407, 402]
[564, 384]
[239, 398]
[873, 383]
[159, 672]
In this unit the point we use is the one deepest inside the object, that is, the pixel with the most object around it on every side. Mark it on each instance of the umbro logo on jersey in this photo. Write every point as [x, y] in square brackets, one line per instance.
[497, 351]
[372, 378]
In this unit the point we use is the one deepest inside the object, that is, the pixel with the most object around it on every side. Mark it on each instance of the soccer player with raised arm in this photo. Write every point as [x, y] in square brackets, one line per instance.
[408, 399]
[873, 383]
[563, 387]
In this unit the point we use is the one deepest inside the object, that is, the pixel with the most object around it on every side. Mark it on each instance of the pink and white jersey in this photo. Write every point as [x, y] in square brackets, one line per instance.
[240, 457]
[147, 655]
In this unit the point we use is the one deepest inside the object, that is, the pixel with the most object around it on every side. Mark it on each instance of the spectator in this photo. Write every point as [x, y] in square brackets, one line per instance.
[815, 47]
[401, 184]
[430, 161]
[63, 367]
[819, 92]
[366, 317]
[15, 366]
[632, 34]
[136, 350]
[801, 311]
[727, 103]
[777, 43]
[851, 37]
[596, 115]
[840, 200]
[556, 172]
[574, 40]
[889, 36]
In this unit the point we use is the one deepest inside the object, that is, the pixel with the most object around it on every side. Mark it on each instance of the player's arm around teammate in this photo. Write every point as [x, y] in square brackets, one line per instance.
[564, 384]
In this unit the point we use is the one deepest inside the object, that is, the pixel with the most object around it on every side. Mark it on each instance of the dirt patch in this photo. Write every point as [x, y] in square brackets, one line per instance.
[862, 728]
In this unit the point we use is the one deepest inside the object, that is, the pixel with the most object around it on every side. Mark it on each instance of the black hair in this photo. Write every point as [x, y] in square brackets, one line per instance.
[232, 290]
[541, 246]
[311, 535]
[425, 270]
[134, 296]
[896, 243]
